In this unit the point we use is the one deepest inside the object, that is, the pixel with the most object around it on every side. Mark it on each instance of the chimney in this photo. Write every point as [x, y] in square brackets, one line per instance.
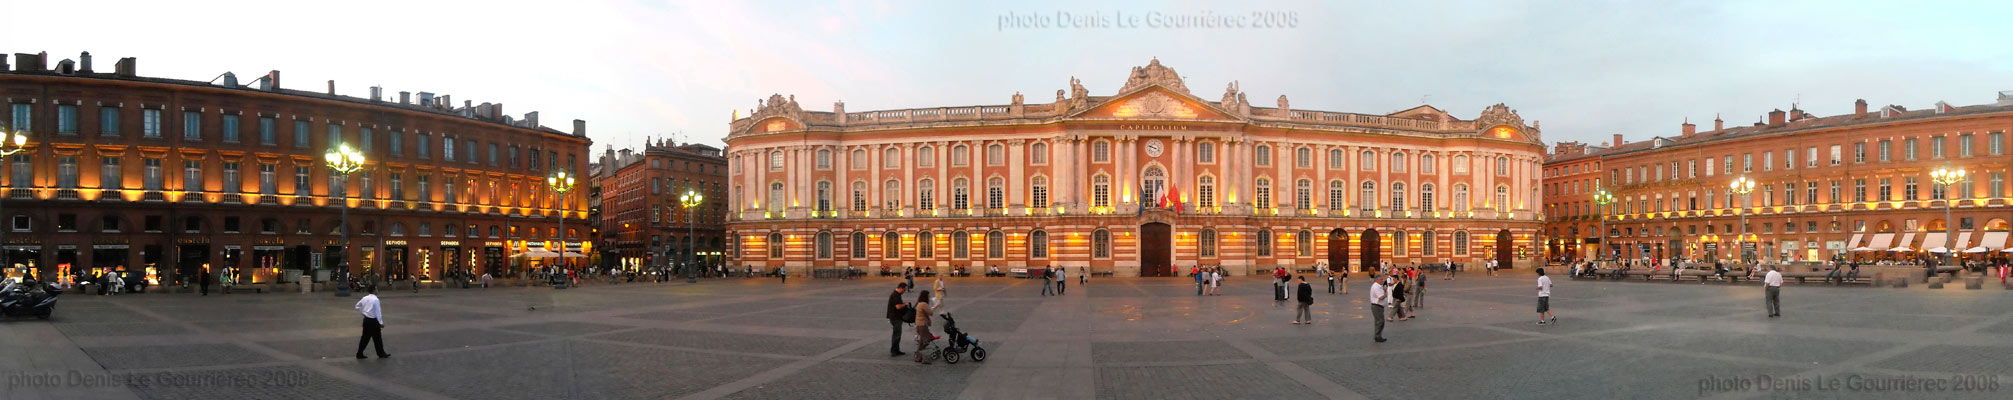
[1717, 124]
[376, 93]
[531, 119]
[1775, 117]
[445, 102]
[3, 63]
[580, 128]
[1859, 108]
[331, 87]
[1618, 140]
[273, 78]
[25, 62]
[127, 67]
[86, 64]
[426, 99]
[1689, 129]
[1795, 113]
[404, 97]
[230, 80]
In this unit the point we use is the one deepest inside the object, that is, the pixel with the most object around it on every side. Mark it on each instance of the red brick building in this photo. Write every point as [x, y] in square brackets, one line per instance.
[1138, 182]
[1856, 184]
[643, 223]
[1572, 175]
[139, 172]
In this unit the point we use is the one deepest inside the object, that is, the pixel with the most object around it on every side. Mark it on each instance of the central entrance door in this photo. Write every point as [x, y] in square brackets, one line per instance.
[1373, 248]
[1503, 242]
[1338, 250]
[1156, 249]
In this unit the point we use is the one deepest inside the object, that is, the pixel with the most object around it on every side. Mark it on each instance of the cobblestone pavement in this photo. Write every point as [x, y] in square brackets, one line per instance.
[1118, 338]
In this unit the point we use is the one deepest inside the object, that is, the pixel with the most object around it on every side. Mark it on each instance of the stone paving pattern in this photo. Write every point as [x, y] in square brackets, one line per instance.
[1116, 338]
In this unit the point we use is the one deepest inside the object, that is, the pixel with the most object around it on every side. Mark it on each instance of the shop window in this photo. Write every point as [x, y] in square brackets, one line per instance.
[66, 223]
[21, 223]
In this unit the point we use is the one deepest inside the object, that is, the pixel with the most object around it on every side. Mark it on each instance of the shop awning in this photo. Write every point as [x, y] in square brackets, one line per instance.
[1906, 240]
[1934, 242]
[1854, 244]
[1880, 242]
[1993, 240]
[1963, 242]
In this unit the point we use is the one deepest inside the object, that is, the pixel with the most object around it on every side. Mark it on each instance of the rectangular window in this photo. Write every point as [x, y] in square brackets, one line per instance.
[1964, 145]
[1836, 151]
[334, 136]
[24, 117]
[192, 125]
[301, 134]
[1936, 147]
[1908, 149]
[192, 175]
[1886, 189]
[232, 181]
[1859, 190]
[1810, 157]
[1995, 143]
[268, 184]
[368, 138]
[426, 188]
[108, 174]
[470, 149]
[1834, 192]
[230, 129]
[422, 145]
[492, 155]
[269, 131]
[398, 143]
[447, 148]
[150, 123]
[1747, 162]
[66, 119]
[301, 185]
[66, 172]
[108, 121]
[1886, 150]
[1768, 161]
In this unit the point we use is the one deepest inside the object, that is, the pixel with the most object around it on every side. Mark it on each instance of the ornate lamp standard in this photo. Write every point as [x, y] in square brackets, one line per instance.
[10, 143]
[1742, 186]
[1946, 177]
[343, 160]
[691, 200]
[561, 182]
[1602, 198]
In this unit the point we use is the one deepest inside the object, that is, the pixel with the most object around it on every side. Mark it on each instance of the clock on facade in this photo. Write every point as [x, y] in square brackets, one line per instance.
[1153, 148]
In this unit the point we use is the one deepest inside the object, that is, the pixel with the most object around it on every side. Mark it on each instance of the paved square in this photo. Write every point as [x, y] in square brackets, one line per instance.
[1114, 339]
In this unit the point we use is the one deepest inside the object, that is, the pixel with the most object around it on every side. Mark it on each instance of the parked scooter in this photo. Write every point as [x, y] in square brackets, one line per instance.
[28, 297]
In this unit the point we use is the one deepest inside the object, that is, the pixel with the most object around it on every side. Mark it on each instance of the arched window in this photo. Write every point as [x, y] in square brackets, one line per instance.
[1100, 191]
[859, 160]
[1460, 243]
[1303, 157]
[891, 195]
[776, 196]
[1336, 159]
[1460, 164]
[961, 245]
[1038, 192]
[1262, 193]
[1264, 243]
[995, 154]
[926, 156]
[1303, 243]
[1367, 199]
[1426, 197]
[1397, 196]
[824, 245]
[859, 195]
[775, 159]
[1368, 160]
[960, 156]
[995, 245]
[1037, 244]
[1262, 155]
[926, 195]
[1303, 194]
[1398, 162]
[775, 246]
[1205, 152]
[891, 157]
[1205, 243]
[1461, 197]
[1338, 195]
[961, 194]
[926, 245]
[1427, 242]
[1426, 163]
[1205, 192]
[1503, 198]
[824, 196]
[996, 193]
[1037, 154]
[1100, 151]
[858, 244]
[1152, 184]
[891, 246]
[824, 159]
[1100, 244]
[1503, 166]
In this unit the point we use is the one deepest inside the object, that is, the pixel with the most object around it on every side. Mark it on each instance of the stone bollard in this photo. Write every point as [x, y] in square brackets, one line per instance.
[1936, 285]
[1900, 283]
[1974, 282]
[1948, 276]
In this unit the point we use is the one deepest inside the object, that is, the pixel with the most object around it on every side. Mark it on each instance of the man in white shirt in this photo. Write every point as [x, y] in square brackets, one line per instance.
[1773, 281]
[1545, 299]
[373, 323]
[1379, 297]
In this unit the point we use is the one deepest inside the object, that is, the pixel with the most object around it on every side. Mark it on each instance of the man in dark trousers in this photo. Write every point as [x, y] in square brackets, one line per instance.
[895, 306]
[204, 281]
[373, 323]
[1379, 297]
[1306, 295]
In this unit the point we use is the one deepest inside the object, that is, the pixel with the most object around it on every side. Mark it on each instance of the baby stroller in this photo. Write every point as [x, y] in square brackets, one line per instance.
[960, 342]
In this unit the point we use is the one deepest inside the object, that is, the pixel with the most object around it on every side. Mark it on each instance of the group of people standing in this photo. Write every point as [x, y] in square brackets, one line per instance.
[1208, 280]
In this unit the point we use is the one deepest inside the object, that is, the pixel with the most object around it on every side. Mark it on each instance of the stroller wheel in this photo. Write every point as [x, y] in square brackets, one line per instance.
[978, 354]
[950, 356]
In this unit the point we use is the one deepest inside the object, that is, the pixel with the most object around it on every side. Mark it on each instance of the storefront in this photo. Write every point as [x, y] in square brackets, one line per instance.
[273, 257]
[450, 257]
[25, 259]
[395, 265]
[493, 256]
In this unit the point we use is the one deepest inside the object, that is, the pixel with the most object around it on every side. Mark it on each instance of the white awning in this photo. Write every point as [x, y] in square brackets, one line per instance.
[1855, 240]
[1993, 240]
[1906, 240]
[1963, 240]
[1934, 241]
[1881, 241]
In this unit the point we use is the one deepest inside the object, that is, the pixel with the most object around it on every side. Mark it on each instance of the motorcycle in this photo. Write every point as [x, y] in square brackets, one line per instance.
[28, 297]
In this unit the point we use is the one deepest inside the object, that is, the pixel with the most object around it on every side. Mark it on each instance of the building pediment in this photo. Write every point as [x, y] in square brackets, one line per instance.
[1155, 102]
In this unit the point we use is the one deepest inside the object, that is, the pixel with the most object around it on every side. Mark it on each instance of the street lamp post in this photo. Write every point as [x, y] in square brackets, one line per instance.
[1602, 198]
[561, 182]
[343, 160]
[1946, 176]
[1742, 186]
[10, 143]
[691, 200]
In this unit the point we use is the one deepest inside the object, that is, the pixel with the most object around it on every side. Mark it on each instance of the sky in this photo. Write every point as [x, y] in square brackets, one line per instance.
[681, 69]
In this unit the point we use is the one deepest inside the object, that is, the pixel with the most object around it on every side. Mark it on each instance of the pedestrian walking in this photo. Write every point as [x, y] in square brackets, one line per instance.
[938, 293]
[923, 335]
[1545, 299]
[204, 281]
[1196, 272]
[1216, 281]
[1450, 270]
[1399, 309]
[783, 274]
[1061, 280]
[1345, 278]
[1082, 278]
[1331, 283]
[895, 306]
[1773, 283]
[373, 323]
[1305, 293]
[1419, 291]
[1047, 282]
[1378, 298]
[909, 275]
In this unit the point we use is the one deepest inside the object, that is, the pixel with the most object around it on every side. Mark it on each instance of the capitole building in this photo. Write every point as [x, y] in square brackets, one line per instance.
[1144, 182]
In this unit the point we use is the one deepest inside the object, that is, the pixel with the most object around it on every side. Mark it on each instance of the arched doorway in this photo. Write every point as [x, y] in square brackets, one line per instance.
[1152, 183]
[1338, 250]
[1503, 243]
[1373, 249]
[1156, 246]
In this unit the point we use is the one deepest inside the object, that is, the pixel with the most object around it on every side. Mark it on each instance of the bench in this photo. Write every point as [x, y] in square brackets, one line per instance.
[1103, 273]
[1018, 272]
